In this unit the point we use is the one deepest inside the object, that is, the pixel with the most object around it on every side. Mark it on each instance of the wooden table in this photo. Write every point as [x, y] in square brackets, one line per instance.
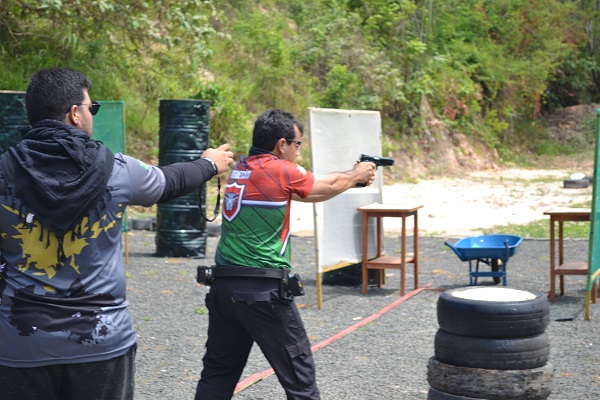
[562, 268]
[381, 261]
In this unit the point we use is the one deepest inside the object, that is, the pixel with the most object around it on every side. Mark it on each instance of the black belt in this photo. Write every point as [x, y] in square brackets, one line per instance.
[290, 285]
[252, 272]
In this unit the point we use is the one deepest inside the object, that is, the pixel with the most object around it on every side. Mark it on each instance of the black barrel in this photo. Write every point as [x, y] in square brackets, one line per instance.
[184, 134]
[184, 125]
[12, 115]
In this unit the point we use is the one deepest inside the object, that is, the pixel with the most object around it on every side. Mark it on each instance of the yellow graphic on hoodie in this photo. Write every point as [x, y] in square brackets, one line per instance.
[42, 255]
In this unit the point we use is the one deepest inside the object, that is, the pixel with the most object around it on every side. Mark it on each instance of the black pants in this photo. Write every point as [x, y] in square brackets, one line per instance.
[102, 380]
[247, 310]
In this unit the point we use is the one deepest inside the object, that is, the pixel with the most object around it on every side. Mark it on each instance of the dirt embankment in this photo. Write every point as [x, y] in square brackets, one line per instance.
[441, 152]
[473, 191]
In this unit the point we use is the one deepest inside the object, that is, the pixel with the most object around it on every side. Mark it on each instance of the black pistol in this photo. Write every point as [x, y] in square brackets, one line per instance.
[377, 160]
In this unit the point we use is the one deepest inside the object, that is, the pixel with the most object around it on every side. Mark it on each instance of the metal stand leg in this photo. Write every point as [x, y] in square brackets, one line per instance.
[504, 262]
[470, 274]
[473, 274]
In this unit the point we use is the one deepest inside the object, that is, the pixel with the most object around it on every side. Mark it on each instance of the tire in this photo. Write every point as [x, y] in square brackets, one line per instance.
[493, 312]
[496, 266]
[576, 183]
[532, 384]
[504, 354]
[435, 394]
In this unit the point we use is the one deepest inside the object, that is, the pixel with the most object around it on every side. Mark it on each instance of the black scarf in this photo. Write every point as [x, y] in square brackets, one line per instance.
[59, 173]
[255, 151]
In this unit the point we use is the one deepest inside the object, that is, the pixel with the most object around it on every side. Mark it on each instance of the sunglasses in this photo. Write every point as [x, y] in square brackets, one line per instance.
[298, 142]
[94, 107]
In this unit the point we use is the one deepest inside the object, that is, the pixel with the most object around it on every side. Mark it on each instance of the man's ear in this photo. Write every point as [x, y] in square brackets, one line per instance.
[280, 147]
[72, 118]
[281, 144]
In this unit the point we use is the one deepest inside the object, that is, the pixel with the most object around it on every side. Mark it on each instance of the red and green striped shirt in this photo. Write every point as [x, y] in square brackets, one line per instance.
[256, 211]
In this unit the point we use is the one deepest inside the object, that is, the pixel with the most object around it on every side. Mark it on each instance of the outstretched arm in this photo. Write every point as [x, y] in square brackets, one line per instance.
[221, 156]
[184, 177]
[334, 183]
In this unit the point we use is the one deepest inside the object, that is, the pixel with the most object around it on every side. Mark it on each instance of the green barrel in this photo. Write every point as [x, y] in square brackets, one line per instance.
[12, 115]
[183, 136]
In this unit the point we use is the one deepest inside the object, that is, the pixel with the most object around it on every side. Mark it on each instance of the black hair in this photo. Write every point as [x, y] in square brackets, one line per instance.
[273, 125]
[52, 92]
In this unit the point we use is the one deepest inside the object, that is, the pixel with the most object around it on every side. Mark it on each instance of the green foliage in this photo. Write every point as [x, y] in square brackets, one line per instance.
[341, 87]
[228, 118]
[571, 83]
[529, 139]
[201, 310]
[578, 77]
[486, 68]
[253, 68]
[495, 125]
[507, 48]
[150, 54]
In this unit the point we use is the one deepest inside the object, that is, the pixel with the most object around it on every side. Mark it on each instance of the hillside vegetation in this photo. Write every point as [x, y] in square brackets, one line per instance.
[459, 83]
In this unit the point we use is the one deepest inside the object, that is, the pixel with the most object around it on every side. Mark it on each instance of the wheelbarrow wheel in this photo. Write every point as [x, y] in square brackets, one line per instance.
[496, 266]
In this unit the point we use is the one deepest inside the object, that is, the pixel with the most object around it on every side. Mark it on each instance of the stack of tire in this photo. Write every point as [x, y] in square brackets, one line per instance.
[578, 181]
[491, 344]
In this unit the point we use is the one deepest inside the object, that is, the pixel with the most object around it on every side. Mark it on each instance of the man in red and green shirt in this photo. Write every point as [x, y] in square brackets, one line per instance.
[256, 235]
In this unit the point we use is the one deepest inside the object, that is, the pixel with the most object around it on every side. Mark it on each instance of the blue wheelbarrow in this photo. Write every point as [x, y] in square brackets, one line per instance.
[492, 250]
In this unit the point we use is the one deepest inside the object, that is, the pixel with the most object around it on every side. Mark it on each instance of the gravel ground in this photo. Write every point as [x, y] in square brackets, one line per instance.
[385, 359]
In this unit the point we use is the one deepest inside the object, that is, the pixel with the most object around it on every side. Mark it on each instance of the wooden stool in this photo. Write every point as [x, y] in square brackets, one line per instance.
[561, 215]
[381, 261]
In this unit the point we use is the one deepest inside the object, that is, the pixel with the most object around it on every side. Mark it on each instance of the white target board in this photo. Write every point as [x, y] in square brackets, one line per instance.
[337, 139]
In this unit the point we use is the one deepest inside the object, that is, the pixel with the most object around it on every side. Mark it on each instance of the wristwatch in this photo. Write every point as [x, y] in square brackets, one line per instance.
[212, 163]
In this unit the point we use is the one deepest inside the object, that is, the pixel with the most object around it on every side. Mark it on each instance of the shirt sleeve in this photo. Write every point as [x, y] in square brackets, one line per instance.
[185, 177]
[147, 183]
[301, 181]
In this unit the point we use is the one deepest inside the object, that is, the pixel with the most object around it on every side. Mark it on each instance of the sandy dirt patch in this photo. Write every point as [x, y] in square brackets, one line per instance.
[460, 207]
